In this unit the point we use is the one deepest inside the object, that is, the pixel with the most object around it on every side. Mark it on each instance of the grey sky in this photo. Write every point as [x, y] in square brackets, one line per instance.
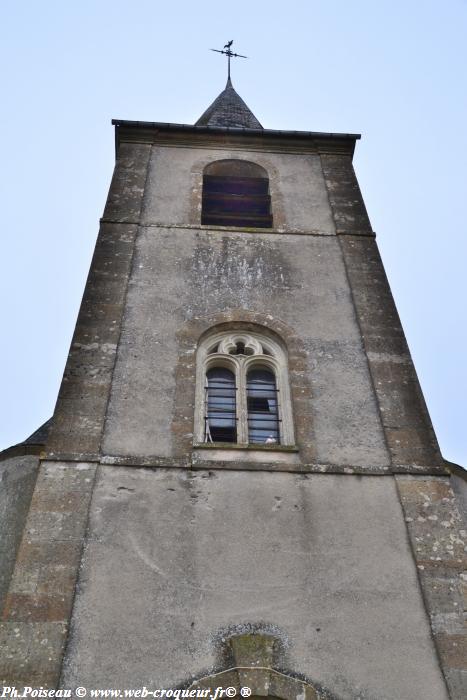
[393, 71]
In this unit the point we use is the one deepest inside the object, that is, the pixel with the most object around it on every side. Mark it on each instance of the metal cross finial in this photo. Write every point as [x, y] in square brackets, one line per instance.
[229, 53]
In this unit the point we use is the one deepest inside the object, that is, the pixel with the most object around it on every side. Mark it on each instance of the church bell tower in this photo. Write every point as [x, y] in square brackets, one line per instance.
[240, 486]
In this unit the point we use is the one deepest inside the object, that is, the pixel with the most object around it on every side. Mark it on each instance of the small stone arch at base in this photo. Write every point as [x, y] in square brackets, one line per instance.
[263, 682]
[253, 656]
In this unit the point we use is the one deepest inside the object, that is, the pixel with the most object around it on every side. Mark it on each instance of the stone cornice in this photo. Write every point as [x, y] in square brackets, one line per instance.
[182, 135]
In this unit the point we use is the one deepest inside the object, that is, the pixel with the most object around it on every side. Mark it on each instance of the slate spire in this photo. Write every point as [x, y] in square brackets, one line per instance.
[228, 109]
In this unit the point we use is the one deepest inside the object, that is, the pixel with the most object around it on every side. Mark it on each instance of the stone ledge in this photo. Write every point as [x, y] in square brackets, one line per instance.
[236, 446]
[245, 455]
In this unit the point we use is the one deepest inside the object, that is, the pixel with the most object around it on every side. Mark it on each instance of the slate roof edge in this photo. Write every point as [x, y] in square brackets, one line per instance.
[231, 129]
[456, 469]
[21, 450]
[33, 445]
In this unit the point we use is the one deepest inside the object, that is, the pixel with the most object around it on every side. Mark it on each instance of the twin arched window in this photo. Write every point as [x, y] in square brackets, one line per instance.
[243, 393]
[262, 406]
[236, 193]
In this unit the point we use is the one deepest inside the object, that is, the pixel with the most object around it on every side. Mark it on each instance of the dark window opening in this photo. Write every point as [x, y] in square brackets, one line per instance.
[240, 349]
[257, 404]
[221, 414]
[262, 402]
[236, 193]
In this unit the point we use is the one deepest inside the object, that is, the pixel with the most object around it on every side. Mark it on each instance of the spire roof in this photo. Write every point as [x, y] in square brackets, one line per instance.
[228, 109]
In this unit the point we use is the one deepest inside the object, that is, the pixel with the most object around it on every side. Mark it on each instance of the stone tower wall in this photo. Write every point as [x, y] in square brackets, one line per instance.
[322, 546]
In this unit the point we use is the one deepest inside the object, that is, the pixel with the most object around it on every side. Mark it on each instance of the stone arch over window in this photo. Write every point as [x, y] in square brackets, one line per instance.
[236, 193]
[242, 390]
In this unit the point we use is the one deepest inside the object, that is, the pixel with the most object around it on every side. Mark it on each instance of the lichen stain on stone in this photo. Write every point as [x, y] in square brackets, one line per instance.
[105, 347]
[234, 269]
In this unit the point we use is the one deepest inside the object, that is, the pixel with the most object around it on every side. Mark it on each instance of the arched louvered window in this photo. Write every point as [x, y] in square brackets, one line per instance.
[221, 412]
[262, 403]
[236, 193]
[242, 390]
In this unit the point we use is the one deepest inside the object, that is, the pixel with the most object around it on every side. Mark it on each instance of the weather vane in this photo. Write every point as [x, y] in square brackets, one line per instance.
[229, 53]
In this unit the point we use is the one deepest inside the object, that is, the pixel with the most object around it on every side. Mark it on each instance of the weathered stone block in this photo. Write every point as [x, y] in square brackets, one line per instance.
[453, 650]
[31, 653]
[38, 608]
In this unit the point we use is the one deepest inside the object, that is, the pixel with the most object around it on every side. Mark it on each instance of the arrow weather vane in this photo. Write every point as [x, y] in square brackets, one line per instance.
[229, 53]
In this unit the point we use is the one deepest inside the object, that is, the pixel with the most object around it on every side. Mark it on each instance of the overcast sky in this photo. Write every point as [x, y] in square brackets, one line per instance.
[394, 71]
